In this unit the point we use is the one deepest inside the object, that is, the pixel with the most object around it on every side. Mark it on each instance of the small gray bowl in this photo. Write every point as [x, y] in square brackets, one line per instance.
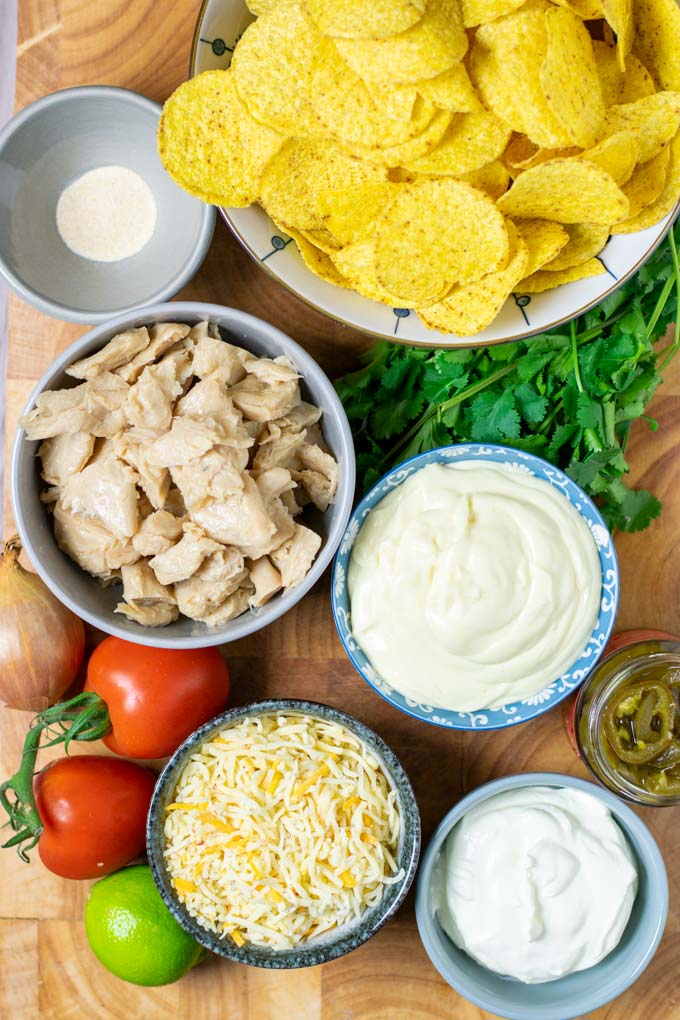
[81, 592]
[578, 993]
[44, 149]
[326, 947]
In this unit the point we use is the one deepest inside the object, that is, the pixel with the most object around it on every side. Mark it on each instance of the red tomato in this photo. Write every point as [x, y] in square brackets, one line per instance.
[93, 810]
[156, 696]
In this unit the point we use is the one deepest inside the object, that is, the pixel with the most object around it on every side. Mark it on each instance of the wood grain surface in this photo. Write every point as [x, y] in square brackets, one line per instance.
[46, 968]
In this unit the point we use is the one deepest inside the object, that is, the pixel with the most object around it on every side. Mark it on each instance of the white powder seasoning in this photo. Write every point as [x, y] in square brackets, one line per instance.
[106, 215]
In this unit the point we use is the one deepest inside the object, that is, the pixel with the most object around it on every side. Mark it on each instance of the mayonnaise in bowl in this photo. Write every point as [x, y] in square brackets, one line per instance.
[473, 585]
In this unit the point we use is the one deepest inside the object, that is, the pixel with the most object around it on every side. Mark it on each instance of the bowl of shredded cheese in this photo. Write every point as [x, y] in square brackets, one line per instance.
[283, 834]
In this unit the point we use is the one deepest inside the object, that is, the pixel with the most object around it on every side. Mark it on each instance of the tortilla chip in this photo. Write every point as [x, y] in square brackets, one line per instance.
[617, 155]
[452, 90]
[619, 15]
[394, 101]
[567, 190]
[220, 167]
[647, 183]
[585, 241]
[544, 279]
[356, 262]
[544, 239]
[350, 214]
[621, 86]
[481, 12]
[421, 144]
[493, 178]
[569, 79]
[471, 141]
[365, 19]
[316, 260]
[653, 120]
[657, 40]
[587, 10]
[665, 203]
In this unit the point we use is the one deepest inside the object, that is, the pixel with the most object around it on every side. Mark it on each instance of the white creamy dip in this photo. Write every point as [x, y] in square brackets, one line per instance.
[537, 883]
[472, 587]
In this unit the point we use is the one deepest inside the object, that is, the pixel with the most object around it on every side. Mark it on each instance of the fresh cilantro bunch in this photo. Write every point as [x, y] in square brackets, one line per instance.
[570, 395]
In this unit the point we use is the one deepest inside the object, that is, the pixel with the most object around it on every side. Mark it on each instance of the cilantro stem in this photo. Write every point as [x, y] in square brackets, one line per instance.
[672, 350]
[574, 354]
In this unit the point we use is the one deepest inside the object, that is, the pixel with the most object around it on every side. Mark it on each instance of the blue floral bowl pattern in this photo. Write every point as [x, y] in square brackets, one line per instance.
[519, 711]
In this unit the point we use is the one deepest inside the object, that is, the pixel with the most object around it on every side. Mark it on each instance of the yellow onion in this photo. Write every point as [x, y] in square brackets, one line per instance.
[41, 641]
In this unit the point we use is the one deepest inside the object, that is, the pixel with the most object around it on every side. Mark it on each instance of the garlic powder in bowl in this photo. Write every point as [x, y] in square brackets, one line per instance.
[283, 831]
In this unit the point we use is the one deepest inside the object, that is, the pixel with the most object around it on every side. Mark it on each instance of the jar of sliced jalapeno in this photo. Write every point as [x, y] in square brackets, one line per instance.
[627, 720]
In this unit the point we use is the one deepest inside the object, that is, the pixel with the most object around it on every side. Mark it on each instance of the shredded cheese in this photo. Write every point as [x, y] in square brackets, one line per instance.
[282, 828]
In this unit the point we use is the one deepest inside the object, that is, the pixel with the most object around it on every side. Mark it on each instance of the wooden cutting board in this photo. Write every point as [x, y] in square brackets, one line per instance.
[46, 968]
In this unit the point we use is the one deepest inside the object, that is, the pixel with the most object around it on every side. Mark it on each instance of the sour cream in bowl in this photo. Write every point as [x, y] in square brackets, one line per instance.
[476, 586]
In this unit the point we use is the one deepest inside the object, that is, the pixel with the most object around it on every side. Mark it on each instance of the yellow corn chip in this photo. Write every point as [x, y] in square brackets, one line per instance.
[587, 10]
[258, 7]
[585, 241]
[569, 78]
[469, 309]
[356, 262]
[432, 46]
[481, 12]
[471, 141]
[544, 239]
[408, 151]
[395, 101]
[220, 167]
[657, 40]
[452, 90]
[621, 86]
[544, 279]
[350, 214]
[505, 64]
[273, 63]
[493, 178]
[567, 190]
[667, 200]
[619, 15]
[365, 19]
[617, 154]
[301, 173]
[316, 260]
[521, 154]
[647, 183]
[437, 232]
[654, 120]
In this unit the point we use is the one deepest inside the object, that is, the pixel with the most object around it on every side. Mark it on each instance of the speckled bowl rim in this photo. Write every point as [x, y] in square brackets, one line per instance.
[650, 860]
[330, 947]
[84, 316]
[561, 687]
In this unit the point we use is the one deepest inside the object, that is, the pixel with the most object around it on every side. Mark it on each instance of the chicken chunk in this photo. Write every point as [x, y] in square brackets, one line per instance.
[106, 490]
[271, 485]
[133, 447]
[151, 399]
[59, 412]
[157, 533]
[90, 544]
[218, 577]
[266, 578]
[278, 451]
[183, 559]
[302, 416]
[118, 351]
[213, 355]
[240, 519]
[187, 440]
[141, 586]
[215, 475]
[269, 391]
[163, 337]
[318, 474]
[64, 455]
[208, 399]
[294, 558]
[232, 607]
[158, 615]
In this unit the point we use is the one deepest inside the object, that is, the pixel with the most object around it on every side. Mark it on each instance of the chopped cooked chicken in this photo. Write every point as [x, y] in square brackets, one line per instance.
[318, 474]
[240, 519]
[215, 475]
[118, 351]
[218, 577]
[106, 490]
[266, 578]
[177, 468]
[90, 544]
[215, 355]
[231, 607]
[64, 455]
[164, 336]
[294, 558]
[141, 586]
[158, 615]
[157, 533]
[187, 440]
[183, 559]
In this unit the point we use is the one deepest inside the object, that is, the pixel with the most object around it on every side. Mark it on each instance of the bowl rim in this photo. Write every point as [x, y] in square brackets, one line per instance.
[339, 584]
[51, 306]
[650, 860]
[351, 937]
[178, 311]
[469, 341]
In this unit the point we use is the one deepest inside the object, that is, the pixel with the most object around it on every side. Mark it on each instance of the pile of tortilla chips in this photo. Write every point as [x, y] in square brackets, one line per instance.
[441, 154]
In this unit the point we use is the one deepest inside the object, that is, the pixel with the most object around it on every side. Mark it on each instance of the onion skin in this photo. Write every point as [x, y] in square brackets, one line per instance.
[41, 641]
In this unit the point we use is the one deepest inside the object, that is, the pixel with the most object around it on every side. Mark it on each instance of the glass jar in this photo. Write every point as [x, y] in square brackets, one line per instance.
[637, 656]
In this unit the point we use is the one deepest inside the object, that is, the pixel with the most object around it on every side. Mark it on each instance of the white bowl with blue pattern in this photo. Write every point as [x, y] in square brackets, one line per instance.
[219, 26]
[518, 711]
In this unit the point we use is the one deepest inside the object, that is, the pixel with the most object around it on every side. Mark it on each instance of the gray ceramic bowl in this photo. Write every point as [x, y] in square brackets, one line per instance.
[578, 993]
[44, 149]
[81, 592]
[326, 947]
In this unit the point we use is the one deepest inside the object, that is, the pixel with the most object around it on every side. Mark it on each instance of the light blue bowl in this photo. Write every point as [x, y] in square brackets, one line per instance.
[578, 993]
[561, 687]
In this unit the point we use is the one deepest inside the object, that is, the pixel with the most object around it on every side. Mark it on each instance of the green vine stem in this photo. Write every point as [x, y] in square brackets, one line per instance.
[84, 717]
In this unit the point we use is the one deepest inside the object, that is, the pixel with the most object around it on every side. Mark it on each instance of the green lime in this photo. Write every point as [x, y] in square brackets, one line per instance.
[133, 933]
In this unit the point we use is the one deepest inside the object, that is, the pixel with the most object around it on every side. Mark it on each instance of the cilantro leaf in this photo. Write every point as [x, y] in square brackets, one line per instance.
[494, 417]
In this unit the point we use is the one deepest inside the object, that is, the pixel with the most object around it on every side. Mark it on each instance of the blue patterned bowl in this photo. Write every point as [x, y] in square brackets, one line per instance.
[519, 711]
